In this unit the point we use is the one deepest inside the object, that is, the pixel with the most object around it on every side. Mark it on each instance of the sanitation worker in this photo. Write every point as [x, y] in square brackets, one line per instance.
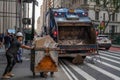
[11, 55]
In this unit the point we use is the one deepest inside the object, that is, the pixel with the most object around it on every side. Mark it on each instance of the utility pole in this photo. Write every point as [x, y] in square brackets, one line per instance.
[44, 16]
[20, 16]
[33, 15]
[28, 13]
[33, 31]
[16, 15]
[33, 20]
[3, 17]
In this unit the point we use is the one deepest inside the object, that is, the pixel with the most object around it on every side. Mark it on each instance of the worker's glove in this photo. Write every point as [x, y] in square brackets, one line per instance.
[32, 47]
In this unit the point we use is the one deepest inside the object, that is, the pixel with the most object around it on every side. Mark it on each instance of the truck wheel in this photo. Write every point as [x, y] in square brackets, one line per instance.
[41, 74]
[51, 73]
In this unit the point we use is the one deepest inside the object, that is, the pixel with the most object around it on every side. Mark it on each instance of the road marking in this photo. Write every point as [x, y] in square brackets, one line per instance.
[25, 59]
[70, 78]
[110, 56]
[50, 79]
[116, 52]
[109, 65]
[103, 71]
[75, 78]
[110, 60]
[110, 53]
[80, 71]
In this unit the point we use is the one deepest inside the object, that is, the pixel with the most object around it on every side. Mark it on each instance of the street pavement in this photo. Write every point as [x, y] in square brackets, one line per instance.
[105, 66]
[22, 70]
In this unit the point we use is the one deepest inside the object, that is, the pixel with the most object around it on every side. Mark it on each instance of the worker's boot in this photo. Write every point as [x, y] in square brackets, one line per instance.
[10, 74]
[45, 74]
[51, 74]
[41, 74]
[6, 77]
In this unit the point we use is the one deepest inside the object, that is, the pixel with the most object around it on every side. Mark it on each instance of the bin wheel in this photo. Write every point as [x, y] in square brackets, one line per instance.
[52, 74]
[41, 74]
[33, 74]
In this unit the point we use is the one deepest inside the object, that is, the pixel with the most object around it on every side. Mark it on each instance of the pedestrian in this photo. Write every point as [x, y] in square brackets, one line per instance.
[7, 41]
[12, 37]
[11, 55]
[1, 40]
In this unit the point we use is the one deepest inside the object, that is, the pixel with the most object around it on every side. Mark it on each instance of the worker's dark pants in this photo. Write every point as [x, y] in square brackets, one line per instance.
[11, 61]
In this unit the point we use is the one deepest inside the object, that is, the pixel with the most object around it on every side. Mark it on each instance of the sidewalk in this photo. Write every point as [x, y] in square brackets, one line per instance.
[3, 60]
[2, 50]
[22, 70]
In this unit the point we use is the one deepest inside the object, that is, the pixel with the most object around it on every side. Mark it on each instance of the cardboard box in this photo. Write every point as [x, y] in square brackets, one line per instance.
[44, 42]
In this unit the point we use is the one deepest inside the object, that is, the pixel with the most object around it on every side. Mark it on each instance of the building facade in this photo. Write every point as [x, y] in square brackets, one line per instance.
[43, 10]
[71, 3]
[57, 3]
[38, 25]
[40, 20]
[8, 15]
[96, 15]
[11, 13]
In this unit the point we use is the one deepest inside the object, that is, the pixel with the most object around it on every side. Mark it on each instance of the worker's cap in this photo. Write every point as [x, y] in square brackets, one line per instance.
[19, 34]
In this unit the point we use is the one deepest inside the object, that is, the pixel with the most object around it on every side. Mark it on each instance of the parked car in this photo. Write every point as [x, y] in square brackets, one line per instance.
[104, 41]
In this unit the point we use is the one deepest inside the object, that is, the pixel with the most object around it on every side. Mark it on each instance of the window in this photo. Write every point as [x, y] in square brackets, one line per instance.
[85, 1]
[110, 18]
[116, 29]
[103, 16]
[73, 1]
[113, 17]
[96, 15]
[116, 17]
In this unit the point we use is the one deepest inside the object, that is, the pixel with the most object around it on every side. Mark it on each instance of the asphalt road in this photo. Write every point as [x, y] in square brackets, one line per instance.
[106, 66]
[22, 70]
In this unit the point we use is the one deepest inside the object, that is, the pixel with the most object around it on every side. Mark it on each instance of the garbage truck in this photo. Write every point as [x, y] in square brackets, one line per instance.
[73, 30]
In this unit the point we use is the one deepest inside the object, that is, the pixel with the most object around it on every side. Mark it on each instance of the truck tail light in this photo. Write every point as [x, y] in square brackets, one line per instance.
[55, 33]
[97, 33]
[85, 14]
[55, 14]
